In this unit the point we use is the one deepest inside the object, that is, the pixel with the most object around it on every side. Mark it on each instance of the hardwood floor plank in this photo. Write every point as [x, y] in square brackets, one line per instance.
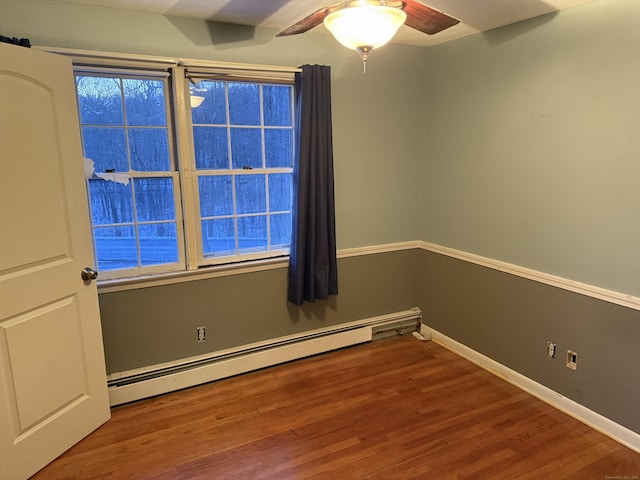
[392, 409]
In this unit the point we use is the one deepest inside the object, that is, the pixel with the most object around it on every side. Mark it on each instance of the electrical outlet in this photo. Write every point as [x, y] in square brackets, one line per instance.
[572, 359]
[202, 334]
[551, 350]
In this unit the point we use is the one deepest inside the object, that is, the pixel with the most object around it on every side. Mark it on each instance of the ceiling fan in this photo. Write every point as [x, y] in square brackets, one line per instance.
[367, 24]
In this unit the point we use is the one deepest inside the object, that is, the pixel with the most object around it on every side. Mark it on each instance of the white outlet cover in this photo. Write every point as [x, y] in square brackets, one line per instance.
[572, 359]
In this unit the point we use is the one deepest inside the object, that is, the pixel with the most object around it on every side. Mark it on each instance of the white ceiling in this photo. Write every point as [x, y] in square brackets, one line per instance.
[474, 15]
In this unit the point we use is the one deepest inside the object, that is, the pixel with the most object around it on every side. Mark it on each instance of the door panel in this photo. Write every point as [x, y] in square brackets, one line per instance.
[53, 389]
[36, 362]
[33, 176]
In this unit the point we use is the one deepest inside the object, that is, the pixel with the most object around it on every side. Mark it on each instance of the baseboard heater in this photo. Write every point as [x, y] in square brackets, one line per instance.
[146, 382]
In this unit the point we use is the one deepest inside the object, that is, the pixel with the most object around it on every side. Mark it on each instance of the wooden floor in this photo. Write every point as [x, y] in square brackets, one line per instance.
[392, 409]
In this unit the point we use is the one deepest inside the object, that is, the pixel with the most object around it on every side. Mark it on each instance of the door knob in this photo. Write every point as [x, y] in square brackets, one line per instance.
[88, 274]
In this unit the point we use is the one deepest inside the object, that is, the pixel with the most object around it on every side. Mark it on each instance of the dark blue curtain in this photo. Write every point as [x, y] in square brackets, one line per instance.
[313, 272]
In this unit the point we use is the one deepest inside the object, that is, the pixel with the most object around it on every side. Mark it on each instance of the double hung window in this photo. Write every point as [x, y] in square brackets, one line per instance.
[134, 192]
[242, 135]
[173, 187]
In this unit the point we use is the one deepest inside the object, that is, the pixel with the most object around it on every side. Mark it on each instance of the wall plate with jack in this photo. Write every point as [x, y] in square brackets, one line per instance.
[202, 334]
[572, 359]
[551, 350]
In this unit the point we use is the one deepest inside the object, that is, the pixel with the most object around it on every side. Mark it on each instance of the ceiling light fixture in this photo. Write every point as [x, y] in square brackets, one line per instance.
[196, 100]
[363, 25]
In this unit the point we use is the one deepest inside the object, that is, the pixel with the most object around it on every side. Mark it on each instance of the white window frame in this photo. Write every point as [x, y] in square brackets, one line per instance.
[182, 154]
[189, 172]
[173, 173]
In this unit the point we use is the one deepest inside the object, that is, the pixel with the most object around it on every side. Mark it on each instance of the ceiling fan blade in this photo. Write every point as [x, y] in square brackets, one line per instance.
[310, 21]
[426, 19]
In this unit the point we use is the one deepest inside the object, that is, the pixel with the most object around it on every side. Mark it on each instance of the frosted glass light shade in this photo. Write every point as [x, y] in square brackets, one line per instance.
[365, 26]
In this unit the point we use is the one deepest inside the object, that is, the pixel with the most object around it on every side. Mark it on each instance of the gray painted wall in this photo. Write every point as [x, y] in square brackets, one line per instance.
[153, 325]
[510, 319]
[532, 152]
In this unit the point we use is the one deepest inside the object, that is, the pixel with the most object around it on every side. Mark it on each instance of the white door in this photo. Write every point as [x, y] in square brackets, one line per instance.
[53, 387]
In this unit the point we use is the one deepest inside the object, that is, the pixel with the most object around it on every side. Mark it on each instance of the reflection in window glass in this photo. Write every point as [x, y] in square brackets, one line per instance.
[213, 110]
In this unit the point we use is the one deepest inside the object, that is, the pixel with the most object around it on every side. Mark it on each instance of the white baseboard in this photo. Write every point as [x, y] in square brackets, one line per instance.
[617, 432]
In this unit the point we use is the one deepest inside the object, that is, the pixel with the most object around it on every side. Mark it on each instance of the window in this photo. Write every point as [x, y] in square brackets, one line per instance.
[133, 195]
[231, 193]
[243, 137]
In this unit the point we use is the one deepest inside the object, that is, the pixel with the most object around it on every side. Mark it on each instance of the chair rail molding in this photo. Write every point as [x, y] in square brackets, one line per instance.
[593, 291]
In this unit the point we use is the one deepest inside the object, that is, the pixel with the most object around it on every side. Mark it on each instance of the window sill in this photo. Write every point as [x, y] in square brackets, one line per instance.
[134, 283]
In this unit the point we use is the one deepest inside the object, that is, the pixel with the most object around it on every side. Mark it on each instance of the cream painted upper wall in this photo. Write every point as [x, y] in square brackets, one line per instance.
[377, 116]
[532, 145]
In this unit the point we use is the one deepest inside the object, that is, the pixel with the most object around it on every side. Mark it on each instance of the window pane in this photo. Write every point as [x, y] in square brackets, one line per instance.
[211, 148]
[246, 147]
[158, 243]
[106, 147]
[149, 149]
[280, 230]
[213, 109]
[250, 194]
[277, 105]
[244, 103]
[277, 146]
[99, 100]
[144, 101]
[252, 233]
[115, 247]
[218, 237]
[110, 202]
[280, 192]
[216, 195]
[154, 199]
